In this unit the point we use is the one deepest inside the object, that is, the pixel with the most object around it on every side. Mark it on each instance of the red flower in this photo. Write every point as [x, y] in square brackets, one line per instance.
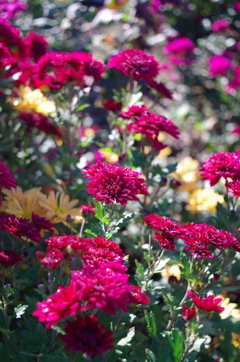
[135, 62]
[6, 178]
[42, 223]
[36, 46]
[66, 241]
[87, 210]
[160, 88]
[9, 258]
[11, 38]
[41, 122]
[209, 303]
[166, 241]
[188, 313]
[138, 297]
[226, 165]
[87, 336]
[113, 106]
[5, 57]
[99, 250]
[52, 258]
[234, 187]
[19, 227]
[149, 124]
[164, 224]
[64, 303]
[110, 183]
[105, 287]
[220, 25]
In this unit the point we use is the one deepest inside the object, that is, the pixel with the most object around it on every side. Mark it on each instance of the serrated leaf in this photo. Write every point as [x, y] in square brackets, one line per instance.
[124, 341]
[20, 310]
[175, 341]
[151, 322]
[150, 356]
[9, 290]
[98, 210]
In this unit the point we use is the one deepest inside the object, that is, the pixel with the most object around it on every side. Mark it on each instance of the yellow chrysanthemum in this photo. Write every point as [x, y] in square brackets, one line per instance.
[171, 271]
[23, 203]
[29, 101]
[57, 206]
[230, 308]
[187, 173]
[203, 200]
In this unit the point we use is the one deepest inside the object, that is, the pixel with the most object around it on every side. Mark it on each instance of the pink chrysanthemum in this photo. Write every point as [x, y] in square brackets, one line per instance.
[64, 303]
[138, 297]
[9, 258]
[166, 241]
[209, 303]
[164, 224]
[11, 9]
[87, 210]
[135, 62]
[226, 165]
[42, 223]
[39, 121]
[105, 287]
[110, 183]
[234, 187]
[180, 46]
[52, 258]
[220, 25]
[19, 227]
[5, 57]
[87, 336]
[219, 65]
[188, 313]
[67, 242]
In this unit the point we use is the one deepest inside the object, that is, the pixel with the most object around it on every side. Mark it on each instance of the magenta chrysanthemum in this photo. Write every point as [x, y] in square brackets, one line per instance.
[234, 187]
[164, 224]
[87, 210]
[166, 241]
[87, 336]
[39, 121]
[135, 62]
[36, 46]
[110, 183]
[209, 303]
[9, 258]
[188, 313]
[64, 303]
[219, 65]
[226, 165]
[220, 25]
[52, 258]
[138, 297]
[180, 46]
[105, 287]
[42, 223]
[7, 180]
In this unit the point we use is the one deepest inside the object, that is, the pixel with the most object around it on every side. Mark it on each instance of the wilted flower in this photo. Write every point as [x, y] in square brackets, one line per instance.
[209, 303]
[87, 336]
[110, 183]
[135, 62]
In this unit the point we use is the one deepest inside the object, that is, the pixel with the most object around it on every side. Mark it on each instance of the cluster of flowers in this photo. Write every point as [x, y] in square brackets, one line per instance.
[225, 165]
[101, 283]
[198, 237]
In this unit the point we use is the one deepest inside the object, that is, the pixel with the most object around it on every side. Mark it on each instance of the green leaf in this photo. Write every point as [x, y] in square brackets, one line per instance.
[160, 265]
[175, 341]
[150, 356]
[5, 331]
[151, 322]
[9, 289]
[124, 341]
[140, 273]
[20, 310]
[89, 232]
[98, 211]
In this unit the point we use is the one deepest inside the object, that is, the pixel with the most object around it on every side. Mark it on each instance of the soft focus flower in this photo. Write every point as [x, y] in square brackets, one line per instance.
[234, 187]
[21, 228]
[110, 183]
[52, 258]
[112, 106]
[180, 46]
[226, 165]
[29, 100]
[209, 303]
[64, 303]
[138, 297]
[87, 336]
[229, 308]
[24, 203]
[219, 65]
[7, 180]
[40, 122]
[36, 46]
[220, 25]
[9, 258]
[109, 156]
[187, 173]
[11, 38]
[160, 88]
[203, 200]
[105, 287]
[10, 9]
[42, 223]
[136, 63]
[5, 57]
[57, 206]
[188, 313]
[237, 6]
